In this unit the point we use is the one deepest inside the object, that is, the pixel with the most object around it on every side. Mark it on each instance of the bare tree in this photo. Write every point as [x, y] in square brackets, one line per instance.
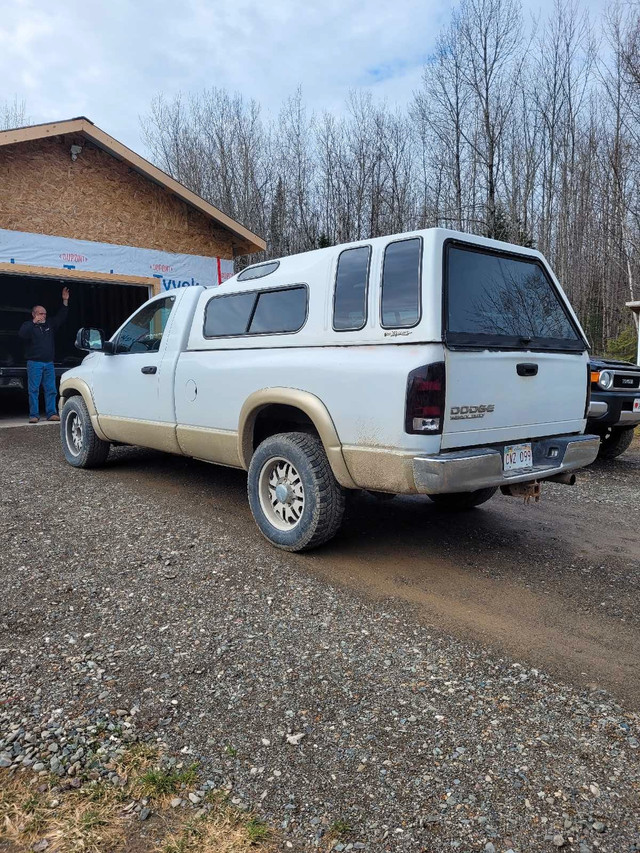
[13, 114]
[524, 137]
[490, 32]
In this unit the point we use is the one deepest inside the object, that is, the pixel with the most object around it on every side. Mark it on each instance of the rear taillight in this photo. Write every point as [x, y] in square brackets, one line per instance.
[589, 381]
[424, 412]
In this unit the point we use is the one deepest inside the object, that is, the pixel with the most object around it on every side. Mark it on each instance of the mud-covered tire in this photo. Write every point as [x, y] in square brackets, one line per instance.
[616, 442]
[296, 501]
[457, 501]
[81, 446]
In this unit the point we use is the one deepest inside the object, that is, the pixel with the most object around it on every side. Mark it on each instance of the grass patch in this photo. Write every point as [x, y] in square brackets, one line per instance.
[339, 829]
[162, 782]
[225, 831]
[99, 817]
[257, 830]
[73, 824]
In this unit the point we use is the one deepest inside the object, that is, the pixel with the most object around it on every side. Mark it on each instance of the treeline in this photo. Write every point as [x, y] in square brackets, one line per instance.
[526, 133]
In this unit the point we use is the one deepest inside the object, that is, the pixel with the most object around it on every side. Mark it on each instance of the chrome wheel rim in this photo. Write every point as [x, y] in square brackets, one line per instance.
[281, 493]
[74, 433]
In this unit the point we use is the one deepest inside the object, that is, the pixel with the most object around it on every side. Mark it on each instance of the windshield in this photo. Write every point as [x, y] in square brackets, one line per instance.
[500, 300]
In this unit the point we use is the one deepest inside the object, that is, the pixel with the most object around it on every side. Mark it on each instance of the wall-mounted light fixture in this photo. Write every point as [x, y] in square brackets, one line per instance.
[75, 150]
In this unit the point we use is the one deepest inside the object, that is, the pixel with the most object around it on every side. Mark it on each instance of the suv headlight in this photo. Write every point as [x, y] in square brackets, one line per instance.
[605, 380]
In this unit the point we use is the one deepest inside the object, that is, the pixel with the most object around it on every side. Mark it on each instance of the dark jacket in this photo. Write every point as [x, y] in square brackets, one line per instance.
[39, 336]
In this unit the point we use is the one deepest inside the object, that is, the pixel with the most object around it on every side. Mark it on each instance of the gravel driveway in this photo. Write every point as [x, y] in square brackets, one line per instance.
[147, 591]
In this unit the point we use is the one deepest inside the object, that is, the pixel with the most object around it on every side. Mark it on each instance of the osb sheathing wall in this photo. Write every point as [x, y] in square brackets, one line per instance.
[98, 197]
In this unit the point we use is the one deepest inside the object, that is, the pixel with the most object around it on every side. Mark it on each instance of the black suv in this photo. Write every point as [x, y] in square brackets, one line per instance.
[614, 412]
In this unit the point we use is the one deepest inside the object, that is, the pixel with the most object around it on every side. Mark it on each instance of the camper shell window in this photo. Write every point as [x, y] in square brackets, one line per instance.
[503, 301]
[401, 275]
[350, 297]
[258, 272]
[262, 312]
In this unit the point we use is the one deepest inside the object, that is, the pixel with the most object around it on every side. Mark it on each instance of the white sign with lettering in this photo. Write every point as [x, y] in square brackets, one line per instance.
[173, 270]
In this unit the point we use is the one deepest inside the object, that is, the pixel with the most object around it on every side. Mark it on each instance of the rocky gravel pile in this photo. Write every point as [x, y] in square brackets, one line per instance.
[85, 747]
[130, 612]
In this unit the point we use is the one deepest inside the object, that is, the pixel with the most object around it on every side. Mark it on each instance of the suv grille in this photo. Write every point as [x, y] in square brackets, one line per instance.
[626, 380]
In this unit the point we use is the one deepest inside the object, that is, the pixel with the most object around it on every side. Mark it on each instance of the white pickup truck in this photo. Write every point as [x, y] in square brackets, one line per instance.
[432, 362]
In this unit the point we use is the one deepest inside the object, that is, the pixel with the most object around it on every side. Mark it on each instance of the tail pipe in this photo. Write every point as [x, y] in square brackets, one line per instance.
[566, 479]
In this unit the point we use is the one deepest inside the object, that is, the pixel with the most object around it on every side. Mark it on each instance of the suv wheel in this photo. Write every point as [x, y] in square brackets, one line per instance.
[463, 500]
[294, 497]
[616, 442]
[82, 447]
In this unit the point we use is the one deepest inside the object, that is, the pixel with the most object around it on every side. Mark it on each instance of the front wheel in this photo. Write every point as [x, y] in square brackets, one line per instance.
[294, 497]
[81, 446]
[616, 442]
[463, 500]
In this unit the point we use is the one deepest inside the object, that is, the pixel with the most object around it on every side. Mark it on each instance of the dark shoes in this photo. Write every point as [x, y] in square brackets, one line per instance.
[50, 418]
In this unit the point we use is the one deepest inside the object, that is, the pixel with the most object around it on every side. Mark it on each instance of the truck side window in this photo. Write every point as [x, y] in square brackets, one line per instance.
[228, 315]
[266, 312]
[143, 332]
[350, 299]
[279, 311]
[401, 283]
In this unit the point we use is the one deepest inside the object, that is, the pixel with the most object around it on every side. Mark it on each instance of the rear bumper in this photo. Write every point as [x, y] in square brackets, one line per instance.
[481, 467]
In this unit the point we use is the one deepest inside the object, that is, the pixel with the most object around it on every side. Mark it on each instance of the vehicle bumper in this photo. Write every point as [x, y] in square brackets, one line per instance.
[15, 378]
[481, 467]
[612, 409]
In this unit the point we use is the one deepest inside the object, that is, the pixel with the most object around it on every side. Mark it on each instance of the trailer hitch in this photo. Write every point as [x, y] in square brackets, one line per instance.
[523, 490]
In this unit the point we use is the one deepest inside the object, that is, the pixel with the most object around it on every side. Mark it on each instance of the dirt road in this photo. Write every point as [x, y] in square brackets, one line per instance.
[411, 681]
[555, 584]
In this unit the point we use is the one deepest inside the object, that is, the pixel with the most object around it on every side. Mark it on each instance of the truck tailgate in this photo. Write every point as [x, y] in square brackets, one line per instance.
[506, 396]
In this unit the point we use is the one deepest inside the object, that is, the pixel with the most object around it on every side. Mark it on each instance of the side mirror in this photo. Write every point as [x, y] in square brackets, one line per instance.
[92, 340]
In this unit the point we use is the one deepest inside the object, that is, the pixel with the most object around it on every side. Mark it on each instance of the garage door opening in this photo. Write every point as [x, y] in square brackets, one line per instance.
[105, 305]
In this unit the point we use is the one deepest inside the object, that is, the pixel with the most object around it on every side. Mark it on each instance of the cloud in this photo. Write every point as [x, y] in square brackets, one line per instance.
[107, 60]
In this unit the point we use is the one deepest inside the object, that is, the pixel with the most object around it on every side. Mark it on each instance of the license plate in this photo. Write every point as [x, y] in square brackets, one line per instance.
[636, 404]
[518, 456]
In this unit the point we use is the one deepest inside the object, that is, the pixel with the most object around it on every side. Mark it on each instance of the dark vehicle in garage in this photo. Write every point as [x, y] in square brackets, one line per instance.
[105, 305]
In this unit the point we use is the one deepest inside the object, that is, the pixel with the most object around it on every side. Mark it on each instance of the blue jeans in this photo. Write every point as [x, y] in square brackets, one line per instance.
[41, 372]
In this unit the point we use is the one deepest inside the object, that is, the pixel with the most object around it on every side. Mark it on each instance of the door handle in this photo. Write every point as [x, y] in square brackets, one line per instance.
[526, 369]
[150, 369]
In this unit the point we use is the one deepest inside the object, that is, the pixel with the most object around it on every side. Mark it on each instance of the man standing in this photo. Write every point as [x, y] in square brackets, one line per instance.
[39, 351]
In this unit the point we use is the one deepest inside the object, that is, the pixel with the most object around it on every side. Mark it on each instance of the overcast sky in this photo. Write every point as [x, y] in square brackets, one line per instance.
[107, 60]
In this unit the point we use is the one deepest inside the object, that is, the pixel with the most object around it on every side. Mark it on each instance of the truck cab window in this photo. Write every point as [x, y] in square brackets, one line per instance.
[143, 333]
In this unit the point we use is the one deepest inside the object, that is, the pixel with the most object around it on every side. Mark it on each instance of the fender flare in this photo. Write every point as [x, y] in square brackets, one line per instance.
[315, 410]
[71, 387]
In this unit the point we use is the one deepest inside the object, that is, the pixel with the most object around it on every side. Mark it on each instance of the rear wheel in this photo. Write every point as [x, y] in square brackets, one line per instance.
[463, 500]
[82, 447]
[616, 442]
[294, 497]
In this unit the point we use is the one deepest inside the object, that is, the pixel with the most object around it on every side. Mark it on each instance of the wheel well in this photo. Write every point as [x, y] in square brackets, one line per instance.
[278, 417]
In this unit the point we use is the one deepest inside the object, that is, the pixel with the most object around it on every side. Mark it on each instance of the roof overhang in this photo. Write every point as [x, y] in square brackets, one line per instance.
[244, 241]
